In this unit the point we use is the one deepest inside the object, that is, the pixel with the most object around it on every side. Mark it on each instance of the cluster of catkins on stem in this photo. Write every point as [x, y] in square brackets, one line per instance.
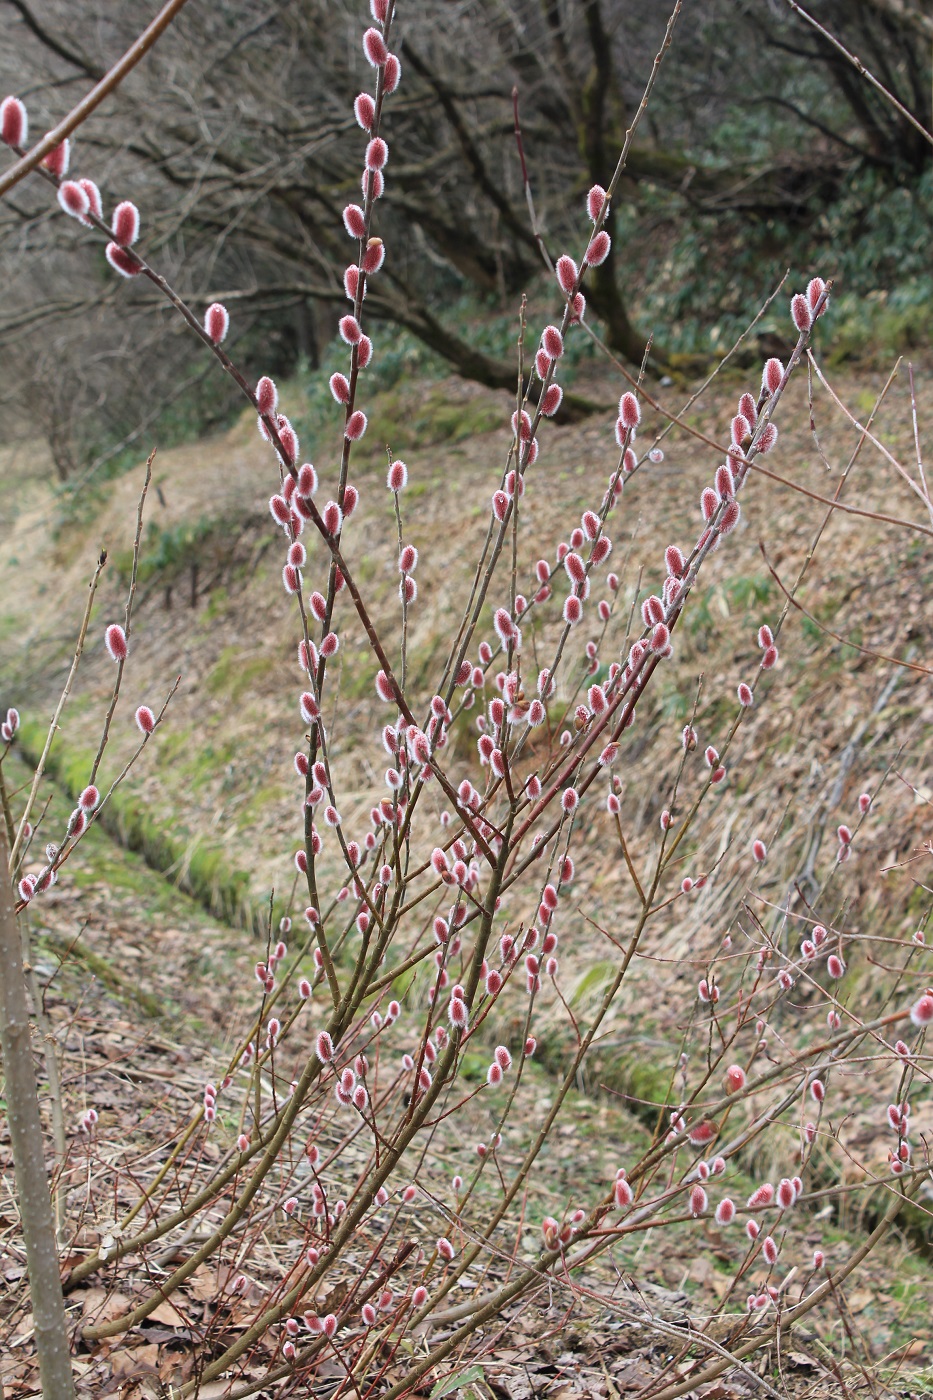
[492, 816]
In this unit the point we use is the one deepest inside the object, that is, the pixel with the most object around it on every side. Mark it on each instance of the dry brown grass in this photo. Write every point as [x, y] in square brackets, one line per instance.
[827, 724]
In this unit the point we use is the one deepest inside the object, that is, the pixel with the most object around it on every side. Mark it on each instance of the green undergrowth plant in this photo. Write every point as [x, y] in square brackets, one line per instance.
[194, 864]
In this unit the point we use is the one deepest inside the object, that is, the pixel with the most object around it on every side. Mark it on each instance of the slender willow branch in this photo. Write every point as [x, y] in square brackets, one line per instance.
[53, 727]
[137, 50]
[860, 68]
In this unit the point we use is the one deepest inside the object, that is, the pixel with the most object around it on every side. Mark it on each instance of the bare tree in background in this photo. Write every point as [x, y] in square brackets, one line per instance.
[245, 139]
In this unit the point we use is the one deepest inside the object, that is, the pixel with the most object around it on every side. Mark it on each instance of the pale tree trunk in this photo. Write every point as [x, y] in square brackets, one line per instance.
[32, 1186]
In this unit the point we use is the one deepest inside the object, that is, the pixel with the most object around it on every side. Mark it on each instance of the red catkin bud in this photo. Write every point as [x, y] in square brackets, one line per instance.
[145, 719]
[267, 395]
[746, 698]
[815, 289]
[759, 850]
[397, 477]
[740, 430]
[674, 561]
[14, 122]
[392, 74]
[551, 400]
[125, 224]
[598, 250]
[567, 274]
[771, 376]
[734, 1080]
[730, 517]
[921, 1013]
[769, 436]
[652, 610]
[354, 221]
[748, 409]
[126, 263]
[725, 482]
[698, 1200]
[216, 322]
[725, 1212]
[324, 1048]
[73, 199]
[307, 481]
[58, 159]
[355, 426]
[818, 1091]
[364, 109]
[591, 524]
[801, 314]
[595, 200]
[522, 425]
[622, 1192]
[629, 411]
[660, 637]
[340, 388]
[374, 48]
[377, 154]
[373, 258]
[89, 799]
[458, 1013]
[574, 567]
[115, 642]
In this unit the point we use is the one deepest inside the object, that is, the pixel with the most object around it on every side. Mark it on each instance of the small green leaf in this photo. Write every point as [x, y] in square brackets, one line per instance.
[457, 1382]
